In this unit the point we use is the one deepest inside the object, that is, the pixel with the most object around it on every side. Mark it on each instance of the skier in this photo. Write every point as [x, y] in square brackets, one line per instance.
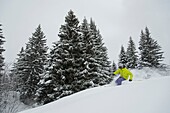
[125, 74]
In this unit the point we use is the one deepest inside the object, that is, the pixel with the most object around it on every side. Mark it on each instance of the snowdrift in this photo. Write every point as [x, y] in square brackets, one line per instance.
[140, 96]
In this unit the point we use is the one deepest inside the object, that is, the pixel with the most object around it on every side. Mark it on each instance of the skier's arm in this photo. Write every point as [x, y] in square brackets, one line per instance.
[116, 72]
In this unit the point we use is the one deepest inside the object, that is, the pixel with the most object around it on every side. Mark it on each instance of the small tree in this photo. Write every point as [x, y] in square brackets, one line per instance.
[122, 56]
[114, 67]
[132, 58]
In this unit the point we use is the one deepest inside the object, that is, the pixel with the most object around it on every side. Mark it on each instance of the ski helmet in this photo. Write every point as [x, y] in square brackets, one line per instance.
[120, 65]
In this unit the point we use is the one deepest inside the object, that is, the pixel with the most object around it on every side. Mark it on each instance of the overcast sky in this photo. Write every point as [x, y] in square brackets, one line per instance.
[117, 20]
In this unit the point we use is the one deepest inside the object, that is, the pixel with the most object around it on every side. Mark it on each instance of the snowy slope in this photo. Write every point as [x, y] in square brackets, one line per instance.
[146, 96]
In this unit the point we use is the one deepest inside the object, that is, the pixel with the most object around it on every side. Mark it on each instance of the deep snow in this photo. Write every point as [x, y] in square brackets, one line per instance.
[149, 93]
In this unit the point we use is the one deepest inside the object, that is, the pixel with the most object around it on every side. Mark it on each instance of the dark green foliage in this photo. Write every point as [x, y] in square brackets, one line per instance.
[30, 65]
[1, 51]
[114, 67]
[132, 58]
[19, 68]
[62, 70]
[123, 56]
[1, 66]
[76, 62]
[96, 65]
[150, 52]
[101, 56]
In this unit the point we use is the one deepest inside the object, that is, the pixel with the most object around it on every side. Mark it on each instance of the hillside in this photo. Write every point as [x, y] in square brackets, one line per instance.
[143, 95]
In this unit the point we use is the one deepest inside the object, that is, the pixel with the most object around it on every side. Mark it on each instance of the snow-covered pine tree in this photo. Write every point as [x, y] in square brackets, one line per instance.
[30, 66]
[96, 67]
[85, 78]
[50, 81]
[1, 51]
[1, 64]
[102, 63]
[73, 64]
[122, 56]
[150, 52]
[114, 67]
[144, 50]
[18, 68]
[132, 58]
[70, 58]
[64, 63]
[158, 55]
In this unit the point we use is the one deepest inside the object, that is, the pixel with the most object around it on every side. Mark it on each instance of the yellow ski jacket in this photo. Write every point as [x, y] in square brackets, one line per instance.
[124, 72]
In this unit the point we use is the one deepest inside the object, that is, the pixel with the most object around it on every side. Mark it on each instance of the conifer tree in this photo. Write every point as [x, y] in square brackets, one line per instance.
[114, 67]
[1, 64]
[73, 61]
[132, 58]
[100, 56]
[144, 50]
[123, 56]
[87, 54]
[1, 51]
[18, 68]
[96, 70]
[30, 65]
[150, 51]
[63, 67]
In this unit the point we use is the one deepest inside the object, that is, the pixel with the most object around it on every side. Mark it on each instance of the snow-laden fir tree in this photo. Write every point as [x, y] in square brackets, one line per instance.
[132, 58]
[30, 66]
[84, 79]
[73, 61]
[18, 68]
[64, 63]
[96, 67]
[101, 56]
[50, 81]
[150, 51]
[114, 67]
[1, 51]
[123, 56]
[1, 64]
[19, 71]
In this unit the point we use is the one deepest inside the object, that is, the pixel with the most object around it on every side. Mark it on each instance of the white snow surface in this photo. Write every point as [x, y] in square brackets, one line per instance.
[149, 92]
